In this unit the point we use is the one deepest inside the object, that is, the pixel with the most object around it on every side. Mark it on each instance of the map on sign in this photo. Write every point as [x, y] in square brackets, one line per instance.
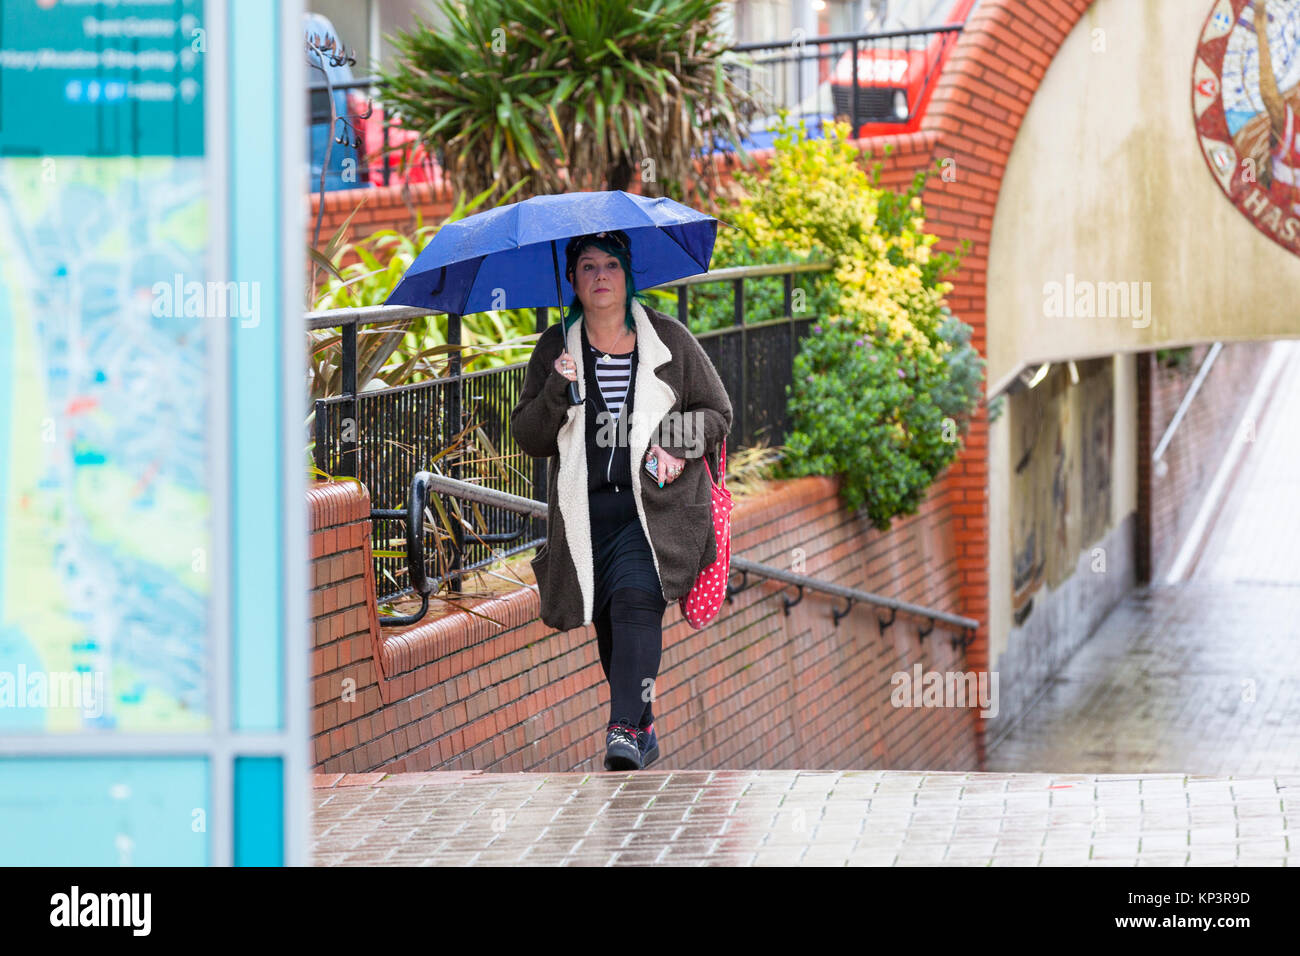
[104, 394]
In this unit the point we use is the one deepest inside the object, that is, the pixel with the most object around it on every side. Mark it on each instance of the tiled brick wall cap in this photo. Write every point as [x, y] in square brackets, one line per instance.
[404, 651]
[334, 503]
[346, 200]
[430, 640]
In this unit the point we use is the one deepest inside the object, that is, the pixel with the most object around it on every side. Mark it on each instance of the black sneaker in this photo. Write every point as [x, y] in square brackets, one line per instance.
[621, 752]
[648, 744]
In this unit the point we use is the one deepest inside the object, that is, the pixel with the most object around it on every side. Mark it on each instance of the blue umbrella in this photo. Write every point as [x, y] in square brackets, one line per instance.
[509, 257]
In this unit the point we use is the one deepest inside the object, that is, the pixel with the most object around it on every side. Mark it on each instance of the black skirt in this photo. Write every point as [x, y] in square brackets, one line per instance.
[621, 553]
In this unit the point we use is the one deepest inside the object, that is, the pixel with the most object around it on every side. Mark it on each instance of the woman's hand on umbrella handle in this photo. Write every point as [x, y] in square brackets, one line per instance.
[564, 365]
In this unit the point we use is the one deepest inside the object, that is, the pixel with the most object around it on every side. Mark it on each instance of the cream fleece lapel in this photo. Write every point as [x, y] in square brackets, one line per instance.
[571, 483]
[653, 398]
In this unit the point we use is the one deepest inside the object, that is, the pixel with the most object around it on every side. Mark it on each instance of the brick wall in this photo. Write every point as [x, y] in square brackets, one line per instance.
[1168, 503]
[345, 629]
[375, 208]
[756, 689]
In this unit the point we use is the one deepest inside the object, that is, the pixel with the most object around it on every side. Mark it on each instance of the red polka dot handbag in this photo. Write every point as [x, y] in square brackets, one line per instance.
[705, 600]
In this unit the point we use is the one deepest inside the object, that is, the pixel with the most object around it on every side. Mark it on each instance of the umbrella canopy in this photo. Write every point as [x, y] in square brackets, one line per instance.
[512, 257]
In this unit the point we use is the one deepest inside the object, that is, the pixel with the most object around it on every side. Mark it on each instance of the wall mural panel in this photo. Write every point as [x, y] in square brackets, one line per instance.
[1061, 482]
[1246, 99]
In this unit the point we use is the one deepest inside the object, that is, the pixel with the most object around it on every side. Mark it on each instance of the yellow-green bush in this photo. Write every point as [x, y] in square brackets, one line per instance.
[884, 386]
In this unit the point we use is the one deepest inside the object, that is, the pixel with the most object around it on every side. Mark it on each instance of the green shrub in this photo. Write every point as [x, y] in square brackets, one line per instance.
[886, 383]
[882, 415]
[857, 412]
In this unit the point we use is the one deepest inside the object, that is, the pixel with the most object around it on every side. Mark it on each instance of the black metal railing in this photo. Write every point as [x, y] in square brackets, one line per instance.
[754, 359]
[962, 628]
[385, 436]
[862, 78]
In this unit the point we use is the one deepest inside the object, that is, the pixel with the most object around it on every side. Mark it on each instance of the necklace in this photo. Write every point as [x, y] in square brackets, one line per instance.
[604, 357]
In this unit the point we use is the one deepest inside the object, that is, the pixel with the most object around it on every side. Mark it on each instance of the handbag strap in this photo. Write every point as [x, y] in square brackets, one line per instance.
[722, 467]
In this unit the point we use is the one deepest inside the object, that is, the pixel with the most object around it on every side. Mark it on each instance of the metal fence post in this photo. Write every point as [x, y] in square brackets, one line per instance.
[384, 158]
[853, 95]
[454, 425]
[788, 292]
[348, 447]
[738, 317]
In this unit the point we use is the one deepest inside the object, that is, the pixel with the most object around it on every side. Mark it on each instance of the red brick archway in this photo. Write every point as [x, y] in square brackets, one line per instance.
[972, 123]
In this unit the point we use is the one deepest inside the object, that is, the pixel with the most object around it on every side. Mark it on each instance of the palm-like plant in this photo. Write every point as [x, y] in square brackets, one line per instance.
[579, 94]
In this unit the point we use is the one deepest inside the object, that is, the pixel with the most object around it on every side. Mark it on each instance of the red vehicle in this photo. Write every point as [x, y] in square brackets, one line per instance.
[406, 159]
[897, 74]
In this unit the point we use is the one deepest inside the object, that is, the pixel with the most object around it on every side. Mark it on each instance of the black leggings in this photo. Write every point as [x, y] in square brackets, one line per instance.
[630, 636]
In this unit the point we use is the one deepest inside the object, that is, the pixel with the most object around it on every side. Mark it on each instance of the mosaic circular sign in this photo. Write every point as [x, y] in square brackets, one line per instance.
[1246, 99]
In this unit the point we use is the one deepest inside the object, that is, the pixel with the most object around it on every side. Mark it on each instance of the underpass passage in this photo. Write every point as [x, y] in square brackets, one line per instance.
[1202, 676]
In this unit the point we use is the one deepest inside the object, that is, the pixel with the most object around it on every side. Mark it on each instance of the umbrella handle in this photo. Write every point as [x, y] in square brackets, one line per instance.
[574, 397]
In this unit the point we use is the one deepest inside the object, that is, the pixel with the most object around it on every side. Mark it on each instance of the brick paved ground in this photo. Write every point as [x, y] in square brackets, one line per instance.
[779, 817]
[1202, 677]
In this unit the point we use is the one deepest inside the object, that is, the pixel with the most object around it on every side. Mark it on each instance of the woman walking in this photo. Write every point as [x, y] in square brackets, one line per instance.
[621, 544]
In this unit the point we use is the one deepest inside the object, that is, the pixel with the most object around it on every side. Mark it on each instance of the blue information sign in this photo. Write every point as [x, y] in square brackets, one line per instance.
[152, 635]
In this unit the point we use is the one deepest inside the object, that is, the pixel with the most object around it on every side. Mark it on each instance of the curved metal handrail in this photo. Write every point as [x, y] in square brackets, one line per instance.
[1206, 364]
[413, 515]
[966, 626]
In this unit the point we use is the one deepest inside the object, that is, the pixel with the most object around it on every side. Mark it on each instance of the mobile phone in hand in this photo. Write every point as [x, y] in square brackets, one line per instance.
[652, 466]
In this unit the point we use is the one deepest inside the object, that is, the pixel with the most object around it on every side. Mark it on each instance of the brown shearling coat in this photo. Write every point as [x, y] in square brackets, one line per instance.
[673, 375]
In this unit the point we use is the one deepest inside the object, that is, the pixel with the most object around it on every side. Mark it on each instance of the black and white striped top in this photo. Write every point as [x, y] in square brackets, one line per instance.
[613, 373]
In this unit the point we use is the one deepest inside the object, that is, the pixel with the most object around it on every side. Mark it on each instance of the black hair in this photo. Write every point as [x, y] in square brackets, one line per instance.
[617, 244]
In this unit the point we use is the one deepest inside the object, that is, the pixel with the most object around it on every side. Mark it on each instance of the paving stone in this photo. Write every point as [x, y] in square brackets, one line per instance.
[920, 853]
[967, 848]
[1143, 752]
[873, 856]
[1202, 837]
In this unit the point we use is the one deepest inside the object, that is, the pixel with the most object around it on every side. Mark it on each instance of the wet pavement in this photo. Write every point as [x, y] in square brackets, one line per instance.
[1201, 677]
[1172, 738]
[789, 817]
